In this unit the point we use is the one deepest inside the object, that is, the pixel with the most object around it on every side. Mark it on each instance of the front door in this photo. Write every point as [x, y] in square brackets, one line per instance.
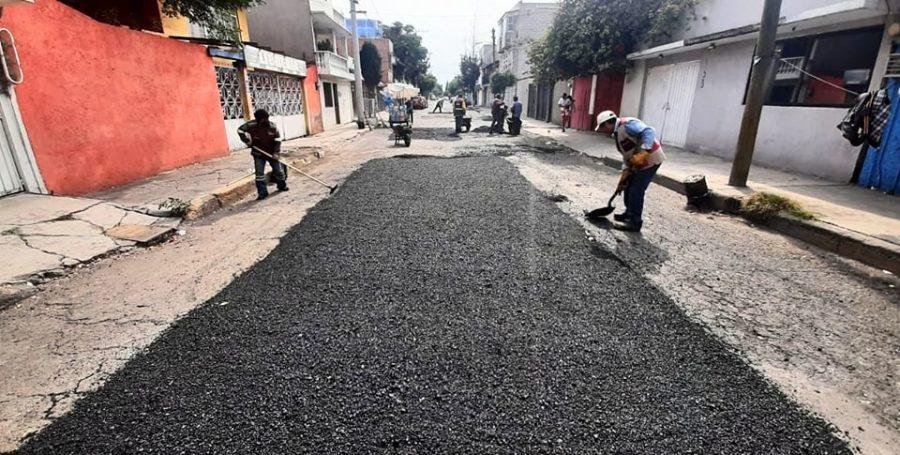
[669, 99]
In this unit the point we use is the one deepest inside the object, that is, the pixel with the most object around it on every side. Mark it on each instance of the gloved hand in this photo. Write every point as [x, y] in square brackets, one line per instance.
[623, 181]
[639, 160]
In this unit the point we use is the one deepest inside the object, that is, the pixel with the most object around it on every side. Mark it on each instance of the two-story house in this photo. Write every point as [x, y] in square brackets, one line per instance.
[517, 28]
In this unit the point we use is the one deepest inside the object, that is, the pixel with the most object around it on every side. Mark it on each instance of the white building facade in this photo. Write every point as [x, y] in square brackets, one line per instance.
[334, 64]
[517, 28]
[692, 90]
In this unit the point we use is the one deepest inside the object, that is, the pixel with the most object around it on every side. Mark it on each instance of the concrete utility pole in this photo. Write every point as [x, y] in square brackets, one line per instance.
[357, 100]
[762, 71]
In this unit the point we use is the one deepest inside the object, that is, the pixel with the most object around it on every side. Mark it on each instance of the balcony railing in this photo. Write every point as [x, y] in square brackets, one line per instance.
[789, 68]
[331, 64]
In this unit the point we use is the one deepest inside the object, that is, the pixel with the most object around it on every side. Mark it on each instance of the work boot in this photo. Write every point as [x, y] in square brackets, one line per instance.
[261, 190]
[621, 217]
[283, 188]
[627, 226]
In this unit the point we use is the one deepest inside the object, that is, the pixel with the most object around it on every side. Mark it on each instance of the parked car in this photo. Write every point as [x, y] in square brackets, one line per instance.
[419, 102]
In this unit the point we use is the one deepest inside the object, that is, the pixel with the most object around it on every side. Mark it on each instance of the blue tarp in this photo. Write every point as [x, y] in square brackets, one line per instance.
[881, 170]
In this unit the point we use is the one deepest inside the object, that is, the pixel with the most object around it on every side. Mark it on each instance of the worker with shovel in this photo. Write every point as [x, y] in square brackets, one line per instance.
[642, 155]
[262, 136]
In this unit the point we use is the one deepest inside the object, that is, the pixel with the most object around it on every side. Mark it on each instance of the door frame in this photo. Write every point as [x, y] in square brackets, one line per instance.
[19, 145]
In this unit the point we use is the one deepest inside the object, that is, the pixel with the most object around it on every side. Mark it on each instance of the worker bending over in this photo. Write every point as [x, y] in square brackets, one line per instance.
[642, 155]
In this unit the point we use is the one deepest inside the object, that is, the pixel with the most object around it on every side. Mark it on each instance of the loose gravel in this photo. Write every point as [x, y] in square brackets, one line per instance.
[437, 306]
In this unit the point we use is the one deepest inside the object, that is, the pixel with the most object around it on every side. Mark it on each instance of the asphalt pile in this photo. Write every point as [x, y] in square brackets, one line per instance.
[437, 306]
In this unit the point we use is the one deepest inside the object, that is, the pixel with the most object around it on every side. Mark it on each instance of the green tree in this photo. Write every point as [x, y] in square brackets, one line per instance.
[217, 16]
[412, 58]
[593, 36]
[428, 84]
[454, 86]
[370, 62]
[501, 81]
[469, 70]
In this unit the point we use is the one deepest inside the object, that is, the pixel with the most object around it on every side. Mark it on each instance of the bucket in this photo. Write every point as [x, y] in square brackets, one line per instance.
[696, 190]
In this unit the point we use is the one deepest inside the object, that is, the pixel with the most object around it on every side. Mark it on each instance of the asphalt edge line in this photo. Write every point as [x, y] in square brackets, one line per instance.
[868, 250]
[228, 195]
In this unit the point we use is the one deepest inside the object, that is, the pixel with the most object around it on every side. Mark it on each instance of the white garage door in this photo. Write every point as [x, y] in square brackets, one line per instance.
[669, 99]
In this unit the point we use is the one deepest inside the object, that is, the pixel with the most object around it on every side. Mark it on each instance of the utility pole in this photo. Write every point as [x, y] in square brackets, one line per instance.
[493, 45]
[357, 73]
[762, 71]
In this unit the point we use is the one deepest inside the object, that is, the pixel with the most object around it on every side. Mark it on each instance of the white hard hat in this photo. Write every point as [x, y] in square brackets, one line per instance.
[604, 117]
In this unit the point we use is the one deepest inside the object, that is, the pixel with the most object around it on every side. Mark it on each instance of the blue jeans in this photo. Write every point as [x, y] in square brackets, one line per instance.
[635, 191]
[259, 164]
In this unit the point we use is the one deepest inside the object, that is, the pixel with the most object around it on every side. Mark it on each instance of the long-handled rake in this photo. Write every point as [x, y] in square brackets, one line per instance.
[331, 189]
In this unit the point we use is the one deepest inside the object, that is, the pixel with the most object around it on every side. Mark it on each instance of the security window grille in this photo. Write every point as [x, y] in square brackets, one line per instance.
[278, 95]
[839, 61]
[229, 93]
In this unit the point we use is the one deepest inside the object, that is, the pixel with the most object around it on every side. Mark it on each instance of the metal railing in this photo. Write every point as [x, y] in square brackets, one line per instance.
[331, 64]
[789, 68]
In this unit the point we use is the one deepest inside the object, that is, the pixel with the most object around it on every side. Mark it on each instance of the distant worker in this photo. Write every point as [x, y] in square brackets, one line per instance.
[409, 109]
[439, 107]
[515, 123]
[642, 155]
[262, 134]
[459, 112]
[497, 107]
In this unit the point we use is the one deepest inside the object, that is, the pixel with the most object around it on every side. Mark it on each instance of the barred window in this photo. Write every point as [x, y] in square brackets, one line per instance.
[229, 93]
[291, 89]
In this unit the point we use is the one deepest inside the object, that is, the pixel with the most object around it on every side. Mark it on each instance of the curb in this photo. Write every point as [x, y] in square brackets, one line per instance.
[869, 250]
[228, 195]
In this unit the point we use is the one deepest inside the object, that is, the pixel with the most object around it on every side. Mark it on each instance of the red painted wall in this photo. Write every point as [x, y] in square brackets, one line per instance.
[608, 96]
[105, 105]
[313, 102]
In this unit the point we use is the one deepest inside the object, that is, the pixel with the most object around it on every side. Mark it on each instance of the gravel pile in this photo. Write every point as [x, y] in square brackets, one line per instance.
[437, 306]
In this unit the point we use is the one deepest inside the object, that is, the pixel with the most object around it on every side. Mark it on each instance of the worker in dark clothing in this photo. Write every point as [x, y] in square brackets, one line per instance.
[409, 110]
[497, 110]
[459, 111]
[515, 123]
[262, 134]
[439, 107]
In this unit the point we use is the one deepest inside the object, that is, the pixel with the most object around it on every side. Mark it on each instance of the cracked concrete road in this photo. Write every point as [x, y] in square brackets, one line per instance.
[834, 321]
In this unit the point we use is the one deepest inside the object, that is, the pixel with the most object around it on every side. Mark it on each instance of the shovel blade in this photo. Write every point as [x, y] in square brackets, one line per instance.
[600, 213]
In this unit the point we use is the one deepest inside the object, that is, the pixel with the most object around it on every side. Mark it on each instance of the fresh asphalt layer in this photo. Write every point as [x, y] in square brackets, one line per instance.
[437, 306]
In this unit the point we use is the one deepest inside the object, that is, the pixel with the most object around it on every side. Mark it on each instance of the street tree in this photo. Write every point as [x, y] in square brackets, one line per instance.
[501, 81]
[412, 58]
[592, 36]
[454, 86]
[370, 62]
[469, 70]
[428, 84]
[218, 17]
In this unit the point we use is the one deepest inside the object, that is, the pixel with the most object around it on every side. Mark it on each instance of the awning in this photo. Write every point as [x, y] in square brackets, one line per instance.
[400, 90]
[849, 11]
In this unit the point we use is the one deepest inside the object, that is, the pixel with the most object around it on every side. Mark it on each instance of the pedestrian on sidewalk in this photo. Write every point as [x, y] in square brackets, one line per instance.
[642, 155]
[515, 124]
[496, 115]
[565, 110]
[262, 134]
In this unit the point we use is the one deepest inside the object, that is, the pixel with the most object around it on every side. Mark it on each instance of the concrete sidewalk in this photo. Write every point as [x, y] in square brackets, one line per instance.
[45, 236]
[847, 215]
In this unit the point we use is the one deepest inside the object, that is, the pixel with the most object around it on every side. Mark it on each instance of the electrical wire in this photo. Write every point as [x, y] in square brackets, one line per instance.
[817, 77]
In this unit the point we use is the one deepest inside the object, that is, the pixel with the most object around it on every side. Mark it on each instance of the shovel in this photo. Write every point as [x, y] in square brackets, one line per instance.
[603, 212]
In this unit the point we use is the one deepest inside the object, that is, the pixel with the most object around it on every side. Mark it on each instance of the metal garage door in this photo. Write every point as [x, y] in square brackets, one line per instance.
[10, 181]
[669, 99]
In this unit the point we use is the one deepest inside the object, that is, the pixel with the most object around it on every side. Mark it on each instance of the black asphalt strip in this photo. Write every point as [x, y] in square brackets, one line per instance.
[437, 306]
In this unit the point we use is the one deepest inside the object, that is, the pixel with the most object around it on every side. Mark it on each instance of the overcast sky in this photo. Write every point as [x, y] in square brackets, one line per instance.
[446, 26]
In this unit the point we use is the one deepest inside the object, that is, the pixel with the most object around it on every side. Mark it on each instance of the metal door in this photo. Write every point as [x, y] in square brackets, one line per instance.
[18, 171]
[682, 88]
[656, 97]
